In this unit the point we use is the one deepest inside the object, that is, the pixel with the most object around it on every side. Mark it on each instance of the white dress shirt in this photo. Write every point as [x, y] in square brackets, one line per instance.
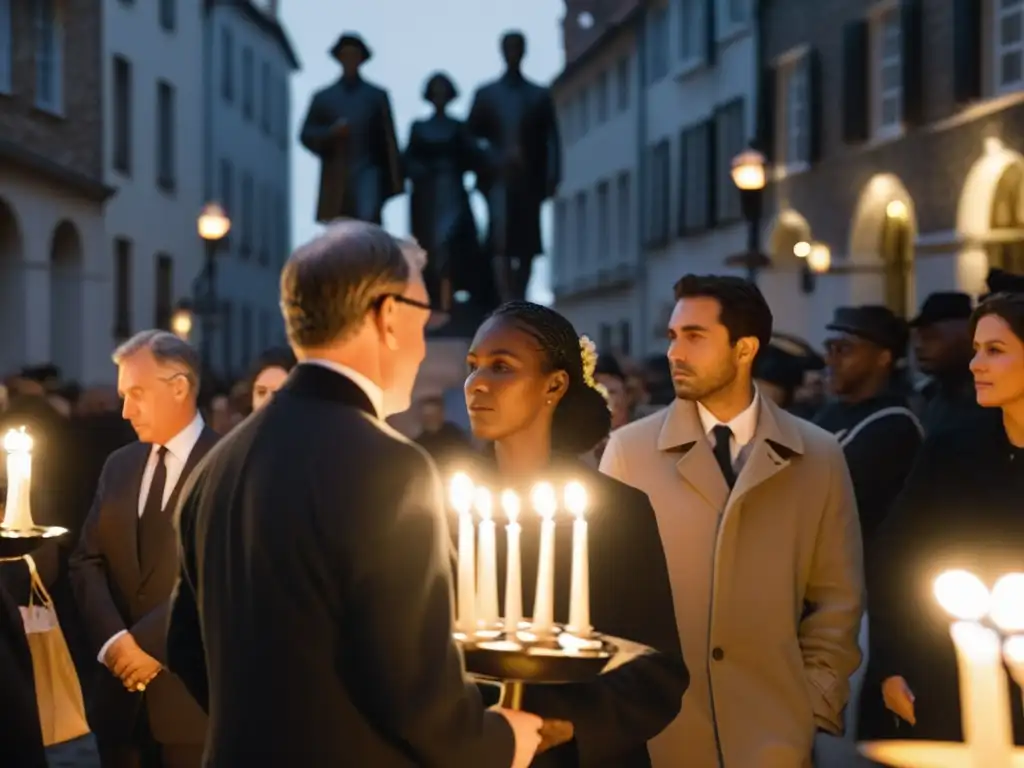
[178, 449]
[370, 389]
[743, 426]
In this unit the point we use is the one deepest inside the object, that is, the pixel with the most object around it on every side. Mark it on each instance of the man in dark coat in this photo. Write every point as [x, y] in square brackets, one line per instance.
[516, 118]
[313, 615]
[125, 566]
[349, 126]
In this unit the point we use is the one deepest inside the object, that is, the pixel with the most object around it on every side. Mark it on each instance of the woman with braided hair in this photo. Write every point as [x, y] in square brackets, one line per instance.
[531, 396]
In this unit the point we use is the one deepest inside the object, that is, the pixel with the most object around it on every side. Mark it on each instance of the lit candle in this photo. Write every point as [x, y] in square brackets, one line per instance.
[984, 689]
[18, 509]
[513, 568]
[462, 491]
[487, 576]
[545, 503]
[1008, 614]
[579, 585]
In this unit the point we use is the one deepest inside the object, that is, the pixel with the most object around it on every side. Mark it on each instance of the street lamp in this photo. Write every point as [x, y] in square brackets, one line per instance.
[213, 226]
[819, 259]
[181, 320]
[749, 174]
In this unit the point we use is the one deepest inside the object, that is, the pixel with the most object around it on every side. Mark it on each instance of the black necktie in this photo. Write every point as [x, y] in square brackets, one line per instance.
[154, 499]
[723, 453]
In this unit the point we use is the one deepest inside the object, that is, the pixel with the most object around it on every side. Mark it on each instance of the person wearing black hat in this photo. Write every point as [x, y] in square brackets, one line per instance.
[781, 369]
[350, 127]
[942, 348]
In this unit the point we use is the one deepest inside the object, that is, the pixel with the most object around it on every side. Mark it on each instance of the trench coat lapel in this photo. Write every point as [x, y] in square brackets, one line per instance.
[776, 442]
[683, 434]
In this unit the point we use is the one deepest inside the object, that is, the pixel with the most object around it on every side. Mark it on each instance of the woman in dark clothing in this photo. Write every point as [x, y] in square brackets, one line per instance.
[961, 508]
[269, 374]
[21, 736]
[530, 392]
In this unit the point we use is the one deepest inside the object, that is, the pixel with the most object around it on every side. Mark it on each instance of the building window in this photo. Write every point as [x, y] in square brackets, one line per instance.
[266, 96]
[730, 139]
[581, 228]
[659, 44]
[246, 322]
[887, 72]
[227, 194]
[122, 122]
[692, 31]
[561, 239]
[622, 74]
[624, 202]
[227, 338]
[284, 246]
[1009, 44]
[793, 127]
[227, 65]
[737, 13]
[604, 338]
[49, 56]
[168, 15]
[659, 173]
[604, 222]
[6, 47]
[164, 291]
[264, 329]
[122, 288]
[264, 226]
[625, 338]
[601, 97]
[283, 112]
[695, 172]
[583, 111]
[248, 84]
[247, 213]
[166, 177]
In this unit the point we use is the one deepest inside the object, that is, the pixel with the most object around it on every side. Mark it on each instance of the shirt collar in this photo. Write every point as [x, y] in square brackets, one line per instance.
[370, 389]
[743, 425]
[181, 445]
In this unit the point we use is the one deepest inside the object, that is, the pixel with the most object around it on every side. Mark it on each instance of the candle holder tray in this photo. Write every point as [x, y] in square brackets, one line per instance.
[15, 544]
[925, 754]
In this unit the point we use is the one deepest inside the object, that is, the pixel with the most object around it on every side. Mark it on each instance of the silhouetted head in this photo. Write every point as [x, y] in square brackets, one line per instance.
[513, 49]
[440, 90]
[351, 52]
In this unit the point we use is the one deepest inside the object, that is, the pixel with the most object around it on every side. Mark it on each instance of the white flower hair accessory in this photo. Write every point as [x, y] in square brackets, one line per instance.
[588, 352]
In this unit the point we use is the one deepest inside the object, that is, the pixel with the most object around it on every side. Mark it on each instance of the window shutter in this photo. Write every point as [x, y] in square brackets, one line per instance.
[912, 62]
[711, 172]
[766, 98]
[710, 44]
[815, 107]
[855, 82]
[684, 196]
[966, 50]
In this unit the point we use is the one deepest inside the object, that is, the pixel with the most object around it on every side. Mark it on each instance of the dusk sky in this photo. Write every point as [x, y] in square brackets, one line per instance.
[410, 40]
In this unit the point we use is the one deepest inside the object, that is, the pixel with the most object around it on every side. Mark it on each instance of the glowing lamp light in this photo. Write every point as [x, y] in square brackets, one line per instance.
[1007, 603]
[213, 223]
[510, 505]
[181, 323]
[802, 249]
[18, 441]
[576, 498]
[896, 209]
[962, 595]
[544, 500]
[748, 170]
[819, 258]
[461, 492]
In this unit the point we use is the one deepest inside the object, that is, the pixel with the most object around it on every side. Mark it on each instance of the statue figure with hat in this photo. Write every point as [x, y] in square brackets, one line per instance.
[349, 126]
[516, 118]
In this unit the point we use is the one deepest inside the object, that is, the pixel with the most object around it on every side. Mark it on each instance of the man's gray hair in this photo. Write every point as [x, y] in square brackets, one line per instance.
[331, 283]
[167, 348]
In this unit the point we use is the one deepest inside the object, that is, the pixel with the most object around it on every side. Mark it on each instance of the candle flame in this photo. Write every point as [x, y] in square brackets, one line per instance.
[1008, 603]
[962, 595]
[1013, 649]
[544, 499]
[510, 505]
[17, 441]
[576, 498]
[483, 503]
[460, 492]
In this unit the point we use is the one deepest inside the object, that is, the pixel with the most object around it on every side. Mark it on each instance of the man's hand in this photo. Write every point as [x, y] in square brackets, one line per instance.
[554, 733]
[340, 128]
[526, 729]
[130, 664]
[898, 698]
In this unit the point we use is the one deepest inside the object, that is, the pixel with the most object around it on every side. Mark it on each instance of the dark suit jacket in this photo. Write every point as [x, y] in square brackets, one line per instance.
[630, 597]
[316, 541]
[115, 590]
[21, 738]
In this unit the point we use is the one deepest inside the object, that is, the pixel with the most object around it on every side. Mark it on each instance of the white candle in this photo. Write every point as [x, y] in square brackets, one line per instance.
[487, 576]
[579, 585]
[545, 503]
[18, 509]
[1008, 614]
[462, 491]
[513, 568]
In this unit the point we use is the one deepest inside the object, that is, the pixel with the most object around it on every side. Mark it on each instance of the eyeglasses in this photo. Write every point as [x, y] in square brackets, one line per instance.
[399, 298]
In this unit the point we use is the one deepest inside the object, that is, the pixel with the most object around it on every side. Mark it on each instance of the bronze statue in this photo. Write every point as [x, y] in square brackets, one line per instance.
[516, 119]
[440, 152]
[349, 126]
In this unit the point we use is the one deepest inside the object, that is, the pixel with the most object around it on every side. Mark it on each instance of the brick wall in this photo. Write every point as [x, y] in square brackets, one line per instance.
[75, 139]
[935, 153]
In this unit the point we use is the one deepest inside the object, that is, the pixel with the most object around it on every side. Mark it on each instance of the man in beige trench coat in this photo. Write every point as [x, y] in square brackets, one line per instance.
[759, 523]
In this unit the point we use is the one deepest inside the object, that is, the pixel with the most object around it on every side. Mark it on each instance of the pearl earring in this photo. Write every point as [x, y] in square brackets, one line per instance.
[549, 402]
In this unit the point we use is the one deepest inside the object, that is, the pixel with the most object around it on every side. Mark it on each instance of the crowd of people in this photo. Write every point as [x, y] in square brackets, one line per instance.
[266, 577]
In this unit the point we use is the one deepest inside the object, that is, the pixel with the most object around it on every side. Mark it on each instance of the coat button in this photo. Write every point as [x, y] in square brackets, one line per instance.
[717, 654]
